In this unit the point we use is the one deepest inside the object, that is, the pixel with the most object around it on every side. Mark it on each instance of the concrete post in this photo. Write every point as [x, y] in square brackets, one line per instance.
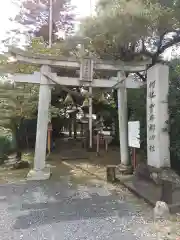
[158, 153]
[40, 172]
[123, 120]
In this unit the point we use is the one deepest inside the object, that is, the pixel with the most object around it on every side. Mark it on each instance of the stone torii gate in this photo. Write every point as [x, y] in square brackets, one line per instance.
[87, 66]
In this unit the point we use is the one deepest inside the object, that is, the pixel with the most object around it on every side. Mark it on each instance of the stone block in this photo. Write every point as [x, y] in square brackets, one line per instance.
[161, 210]
[111, 173]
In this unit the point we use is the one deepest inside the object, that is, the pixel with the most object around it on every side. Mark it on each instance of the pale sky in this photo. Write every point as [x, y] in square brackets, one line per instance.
[8, 10]
[84, 6]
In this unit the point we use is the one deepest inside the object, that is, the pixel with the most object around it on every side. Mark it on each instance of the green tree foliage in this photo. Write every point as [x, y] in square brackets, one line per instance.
[6, 143]
[17, 103]
[36, 46]
[132, 29]
[5, 147]
[174, 106]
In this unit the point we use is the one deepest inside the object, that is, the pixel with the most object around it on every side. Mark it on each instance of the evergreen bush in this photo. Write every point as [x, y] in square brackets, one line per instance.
[5, 146]
[174, 112]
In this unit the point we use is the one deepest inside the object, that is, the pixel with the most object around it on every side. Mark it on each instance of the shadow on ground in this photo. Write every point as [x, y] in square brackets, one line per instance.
[72, 204]
[61, 159]
[72, 208]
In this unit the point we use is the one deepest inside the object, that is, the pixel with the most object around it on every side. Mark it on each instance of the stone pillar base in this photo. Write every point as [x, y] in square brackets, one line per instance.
[126, 170]
[36, 175]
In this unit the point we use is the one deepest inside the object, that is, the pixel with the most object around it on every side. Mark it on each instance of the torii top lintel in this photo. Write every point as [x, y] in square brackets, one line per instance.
[74, 63]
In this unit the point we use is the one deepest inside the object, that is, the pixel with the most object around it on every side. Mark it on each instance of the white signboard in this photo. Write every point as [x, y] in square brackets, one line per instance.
[86, 70]
[134, 134]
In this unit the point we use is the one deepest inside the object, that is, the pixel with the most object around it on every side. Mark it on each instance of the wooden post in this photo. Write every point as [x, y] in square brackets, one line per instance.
[74, 126]
[106, 144]
[82, 130]
[97, 145]
[111, 173]
[90, 118]
[134, 158]
[70, 126]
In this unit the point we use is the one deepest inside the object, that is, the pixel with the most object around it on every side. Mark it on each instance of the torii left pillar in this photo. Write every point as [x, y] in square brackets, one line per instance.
[40, 171]
[125, 166]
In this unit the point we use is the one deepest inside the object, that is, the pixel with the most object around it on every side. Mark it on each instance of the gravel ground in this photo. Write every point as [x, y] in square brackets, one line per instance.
[67, 210]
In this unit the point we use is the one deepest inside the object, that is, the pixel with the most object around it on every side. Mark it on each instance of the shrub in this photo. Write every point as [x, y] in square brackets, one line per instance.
[5, 145]
[174, 113]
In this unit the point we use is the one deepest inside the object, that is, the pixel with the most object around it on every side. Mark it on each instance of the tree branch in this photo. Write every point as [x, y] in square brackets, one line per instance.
[144, 50]
[170, 44]
[158, 52]
[141, 76]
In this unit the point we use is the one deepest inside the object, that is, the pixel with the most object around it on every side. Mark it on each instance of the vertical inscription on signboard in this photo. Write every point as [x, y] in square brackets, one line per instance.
[151, 116]
[86, 70]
